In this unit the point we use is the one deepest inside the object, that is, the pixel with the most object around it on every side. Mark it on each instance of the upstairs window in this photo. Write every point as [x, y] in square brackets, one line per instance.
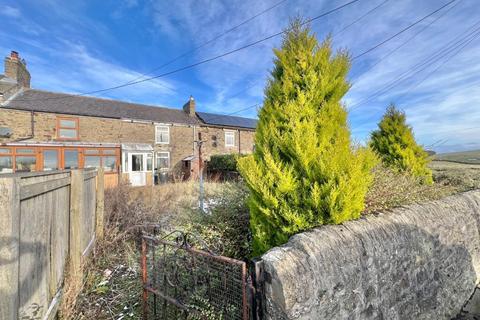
[67, 128]
[229, 139]
[162, 134]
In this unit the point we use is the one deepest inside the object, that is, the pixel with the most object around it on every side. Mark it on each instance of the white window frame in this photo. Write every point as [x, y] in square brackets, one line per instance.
[157, 127]
[232, 133]
[156, 159]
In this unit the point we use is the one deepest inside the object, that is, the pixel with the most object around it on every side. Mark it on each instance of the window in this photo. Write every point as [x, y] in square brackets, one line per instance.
[70, 158]
[163, 160]
[67, 128]
[96, 158]
[109, 163]
[162, 134]
[25, 160]
[50, 160]
[137, 162]
[6, 160]
[229, 139]
[92, 161]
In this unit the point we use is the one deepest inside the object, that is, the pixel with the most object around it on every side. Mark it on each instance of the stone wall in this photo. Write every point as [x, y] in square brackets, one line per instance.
[415, 262]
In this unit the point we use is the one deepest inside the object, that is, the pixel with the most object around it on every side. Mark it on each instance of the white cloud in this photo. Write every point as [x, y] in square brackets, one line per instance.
[10, 11]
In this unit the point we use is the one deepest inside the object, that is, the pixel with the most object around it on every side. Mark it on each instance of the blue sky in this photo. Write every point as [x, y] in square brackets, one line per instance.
[75, 46]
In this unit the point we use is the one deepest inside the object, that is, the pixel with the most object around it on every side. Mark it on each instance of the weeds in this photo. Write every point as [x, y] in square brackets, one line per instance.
[392, 189]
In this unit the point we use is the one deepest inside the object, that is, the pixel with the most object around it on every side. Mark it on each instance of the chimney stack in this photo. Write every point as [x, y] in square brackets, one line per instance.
[16, 68]
[189, 107]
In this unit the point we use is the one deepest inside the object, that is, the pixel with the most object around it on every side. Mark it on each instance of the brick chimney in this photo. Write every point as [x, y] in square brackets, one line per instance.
[189, 107]
[16, 68]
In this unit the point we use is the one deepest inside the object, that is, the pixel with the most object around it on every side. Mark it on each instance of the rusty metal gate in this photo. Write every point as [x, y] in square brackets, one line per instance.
[183, 279]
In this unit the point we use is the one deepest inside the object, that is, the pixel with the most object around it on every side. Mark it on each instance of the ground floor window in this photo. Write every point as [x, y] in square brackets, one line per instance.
[106, 158]
[163, 160]
[38, 158]
[51, 159]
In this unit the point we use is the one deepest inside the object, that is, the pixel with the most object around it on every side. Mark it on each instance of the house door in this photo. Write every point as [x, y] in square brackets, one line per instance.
[136, 164]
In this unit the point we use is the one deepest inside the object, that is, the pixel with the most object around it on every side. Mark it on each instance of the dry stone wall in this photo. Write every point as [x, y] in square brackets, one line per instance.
[415, 262]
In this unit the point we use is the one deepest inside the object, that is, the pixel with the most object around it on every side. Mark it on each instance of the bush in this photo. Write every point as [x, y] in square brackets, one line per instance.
[223, 162]
[395, 144]
[225, 227]
[392, 188]
[304, 171]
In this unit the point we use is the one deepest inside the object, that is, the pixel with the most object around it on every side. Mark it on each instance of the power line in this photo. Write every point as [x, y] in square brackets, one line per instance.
[186, 53]
[401, 31]
[452, 45]
[334, 35]
[236, 112]
[441, 65]
[407, 41]
[202, 61]
[359, 18]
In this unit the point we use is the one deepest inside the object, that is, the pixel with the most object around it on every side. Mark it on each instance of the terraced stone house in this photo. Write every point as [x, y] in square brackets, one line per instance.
[41, 130]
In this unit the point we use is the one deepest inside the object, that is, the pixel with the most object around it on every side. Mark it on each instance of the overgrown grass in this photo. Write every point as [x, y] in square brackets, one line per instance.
[112, 289]
[392, 189]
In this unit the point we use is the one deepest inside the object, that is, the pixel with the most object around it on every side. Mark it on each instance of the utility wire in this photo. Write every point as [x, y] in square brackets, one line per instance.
[186, 53]
[333, 36]
[359, 18]
[202, 61]
[441, 65]
[418, 68]
[368, 69]
[401, 31]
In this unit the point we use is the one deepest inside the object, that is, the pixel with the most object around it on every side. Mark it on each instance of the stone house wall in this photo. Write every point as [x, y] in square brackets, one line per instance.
[104, 130]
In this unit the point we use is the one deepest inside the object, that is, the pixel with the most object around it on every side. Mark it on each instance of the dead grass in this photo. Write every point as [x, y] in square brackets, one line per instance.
[112, 286]
[461, 176]
[392, 189]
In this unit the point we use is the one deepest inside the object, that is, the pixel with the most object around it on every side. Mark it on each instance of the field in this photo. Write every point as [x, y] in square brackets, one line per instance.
[472, 157]
[461, 176]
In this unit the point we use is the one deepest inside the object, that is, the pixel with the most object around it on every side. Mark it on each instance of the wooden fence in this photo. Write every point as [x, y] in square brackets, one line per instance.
[47, 219]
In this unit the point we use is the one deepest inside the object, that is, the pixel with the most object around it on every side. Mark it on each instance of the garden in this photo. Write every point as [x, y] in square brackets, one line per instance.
[305, 172]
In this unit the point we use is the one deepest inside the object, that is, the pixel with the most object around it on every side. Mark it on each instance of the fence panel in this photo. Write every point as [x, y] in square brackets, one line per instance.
[43, 200]
[35, 239]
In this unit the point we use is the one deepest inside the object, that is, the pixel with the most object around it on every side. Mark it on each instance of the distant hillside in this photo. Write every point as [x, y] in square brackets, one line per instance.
[462, 157]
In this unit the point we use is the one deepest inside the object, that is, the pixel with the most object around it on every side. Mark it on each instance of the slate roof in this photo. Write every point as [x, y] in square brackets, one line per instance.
[52, 102]
[228, 121]
[45, 101]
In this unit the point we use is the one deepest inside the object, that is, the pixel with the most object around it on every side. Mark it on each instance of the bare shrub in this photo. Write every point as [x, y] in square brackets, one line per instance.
[392, 189]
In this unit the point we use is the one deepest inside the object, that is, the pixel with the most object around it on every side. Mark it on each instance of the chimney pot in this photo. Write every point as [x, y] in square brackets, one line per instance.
[14, 55]
[16, 68]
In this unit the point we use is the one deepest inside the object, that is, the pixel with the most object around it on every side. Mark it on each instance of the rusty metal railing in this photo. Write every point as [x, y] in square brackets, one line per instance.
[182, 278]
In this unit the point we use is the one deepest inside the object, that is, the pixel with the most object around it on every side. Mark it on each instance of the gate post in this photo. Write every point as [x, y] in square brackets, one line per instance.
[258, 296]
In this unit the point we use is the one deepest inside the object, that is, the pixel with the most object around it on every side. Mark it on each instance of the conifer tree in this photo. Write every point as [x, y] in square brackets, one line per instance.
[304, 171]
[395, 144]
